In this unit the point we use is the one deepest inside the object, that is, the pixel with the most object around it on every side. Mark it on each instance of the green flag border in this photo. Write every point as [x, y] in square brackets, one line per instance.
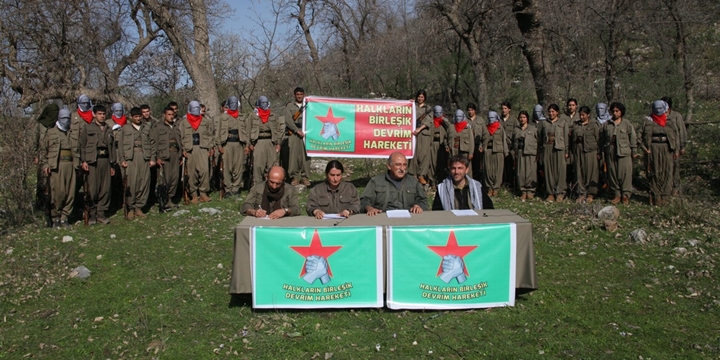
[394, 305]
[379, 291]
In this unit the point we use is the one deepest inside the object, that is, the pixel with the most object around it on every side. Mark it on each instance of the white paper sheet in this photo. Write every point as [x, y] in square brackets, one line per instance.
[464, 212]
[398, 214]
[332, 217]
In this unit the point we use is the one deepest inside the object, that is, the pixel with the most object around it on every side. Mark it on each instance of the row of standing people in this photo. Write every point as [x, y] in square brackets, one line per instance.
[560, 155]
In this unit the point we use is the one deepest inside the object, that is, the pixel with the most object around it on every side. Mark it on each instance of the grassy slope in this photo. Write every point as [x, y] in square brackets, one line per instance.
[160, 293]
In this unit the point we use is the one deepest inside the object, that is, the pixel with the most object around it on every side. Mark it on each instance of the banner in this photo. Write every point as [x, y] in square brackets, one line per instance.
[305, 268]
[358, 127]
[451, 267]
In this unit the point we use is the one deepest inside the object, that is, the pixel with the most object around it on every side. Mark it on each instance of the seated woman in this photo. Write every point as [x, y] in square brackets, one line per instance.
[333, 196]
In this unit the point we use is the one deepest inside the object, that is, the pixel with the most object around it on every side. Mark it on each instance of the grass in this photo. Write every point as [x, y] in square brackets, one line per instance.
[159, 290]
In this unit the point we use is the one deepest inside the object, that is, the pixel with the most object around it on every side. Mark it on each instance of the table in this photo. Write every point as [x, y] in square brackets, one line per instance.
[526, 276]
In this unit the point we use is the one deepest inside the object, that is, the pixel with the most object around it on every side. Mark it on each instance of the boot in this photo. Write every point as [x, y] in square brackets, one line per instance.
[139, 213]
[194, 200]
[131, 214]
[550, 198]
[523, 196]
[530, 196]
[204, 198]
[615, 200]
[625, 200]
[305, 181]
[589, 199]
[295, 182]
[101, 218]
[581, 199]
[560, 198]
[422, 180]
[56, 223]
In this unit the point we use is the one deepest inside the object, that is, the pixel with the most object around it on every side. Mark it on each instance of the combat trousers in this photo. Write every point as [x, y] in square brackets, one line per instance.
[587, 172]
[676, 173]
[527, 173]
[62, 188]
[99, 181]
[661, 173]
[423, 153]
[555, 171]
[620, 175]
[438, 161]
[198, 171]
[171, 171]
[233, 166]
[138, 175]
[264, 157]
[298, 162]
[494, 166]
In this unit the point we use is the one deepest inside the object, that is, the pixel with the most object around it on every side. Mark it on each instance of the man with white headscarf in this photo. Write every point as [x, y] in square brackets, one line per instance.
[265, 138]
[233, 139]
[602, 115]
[59, 158]
[660, 142]
[461, 137]
[496, 148]
[198, 141]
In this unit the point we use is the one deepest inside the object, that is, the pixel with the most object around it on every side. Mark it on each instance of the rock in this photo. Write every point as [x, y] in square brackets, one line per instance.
[211, 211]
[219, 266]
[181, 212]
[608, 213]
[112, 236]
[611, 225]
[67, 239]
[680, 250]
[80, 272]
[638, 236]
[318, 166]
[99, 257]
[9, 251]
[693, 242]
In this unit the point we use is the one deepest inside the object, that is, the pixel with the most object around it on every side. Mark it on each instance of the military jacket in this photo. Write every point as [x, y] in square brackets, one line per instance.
[464, 141]
[345, 197]
[381, 193]
[652, 132]
[54, 141]
[288, 201]
[272, 128]
[509, 127]
[620, 137]
[226, 123]
[586, 135]
[165, 136]
[290, 110]
[555, 134]
[525, 141]
[425, 118]
[131, 138]
[497, 143]
[93, 137]
[204, 132]
[679, 123]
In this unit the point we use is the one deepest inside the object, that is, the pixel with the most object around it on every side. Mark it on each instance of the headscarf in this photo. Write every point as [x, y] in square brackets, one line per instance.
[85, 108]
[232, 107]
[118, 114]
[459, 120]
[263, 109]
[659, 112]
[538, 113]
[63, 120]
[493, 122]
[602, 114]
[49, 115]
[438, 116]
[193, 115]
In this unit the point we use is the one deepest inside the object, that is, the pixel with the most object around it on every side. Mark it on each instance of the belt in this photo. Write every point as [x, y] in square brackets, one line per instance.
[66, 158]
[489, 146]
[174, 149]
[103, 153]
[579, 140]
[66, 152]
[233, 136]
[196, 139]
[659, 139]
[263, 137]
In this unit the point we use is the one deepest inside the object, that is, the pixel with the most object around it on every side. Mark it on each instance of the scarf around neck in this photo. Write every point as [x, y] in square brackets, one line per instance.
[446, 191]
[120, 121]
[274, 197]
[459, 127]
[659, 119]
[194, 120]
[86, 115]
[233, 113]
[437, 121]
[492, 128]
[263, 114]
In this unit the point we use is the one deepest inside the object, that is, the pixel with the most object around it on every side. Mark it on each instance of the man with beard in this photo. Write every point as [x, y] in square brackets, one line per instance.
[137, 153]
[59, 158]
[272, 199]
[97, 156]
[233, 140]
[393, 190]
[459, 191]
[197, 143]
[265, 138]
[298, 161]
[167, 138]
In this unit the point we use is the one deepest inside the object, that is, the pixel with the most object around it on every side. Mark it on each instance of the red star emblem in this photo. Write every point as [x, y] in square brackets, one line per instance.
[452, 248]
[330, 118]
[316, 248]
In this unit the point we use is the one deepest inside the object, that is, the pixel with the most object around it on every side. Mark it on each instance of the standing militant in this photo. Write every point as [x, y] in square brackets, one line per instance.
[59, 158]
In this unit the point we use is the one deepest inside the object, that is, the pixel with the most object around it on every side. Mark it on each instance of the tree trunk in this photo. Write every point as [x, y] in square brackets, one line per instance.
[685, 68]
[197, 64]
[305, 27]
[533, 48]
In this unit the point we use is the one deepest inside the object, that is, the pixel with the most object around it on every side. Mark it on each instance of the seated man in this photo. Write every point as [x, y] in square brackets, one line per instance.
[459, 191]
[272, 198]
[393, 190]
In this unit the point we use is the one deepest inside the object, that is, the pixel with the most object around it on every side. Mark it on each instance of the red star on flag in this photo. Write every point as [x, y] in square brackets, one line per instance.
[452, 248]
[316, 248]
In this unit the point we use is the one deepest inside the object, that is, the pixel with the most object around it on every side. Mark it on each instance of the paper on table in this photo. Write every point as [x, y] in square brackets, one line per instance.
[332, 217]
[464, 212]
[398, 214]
